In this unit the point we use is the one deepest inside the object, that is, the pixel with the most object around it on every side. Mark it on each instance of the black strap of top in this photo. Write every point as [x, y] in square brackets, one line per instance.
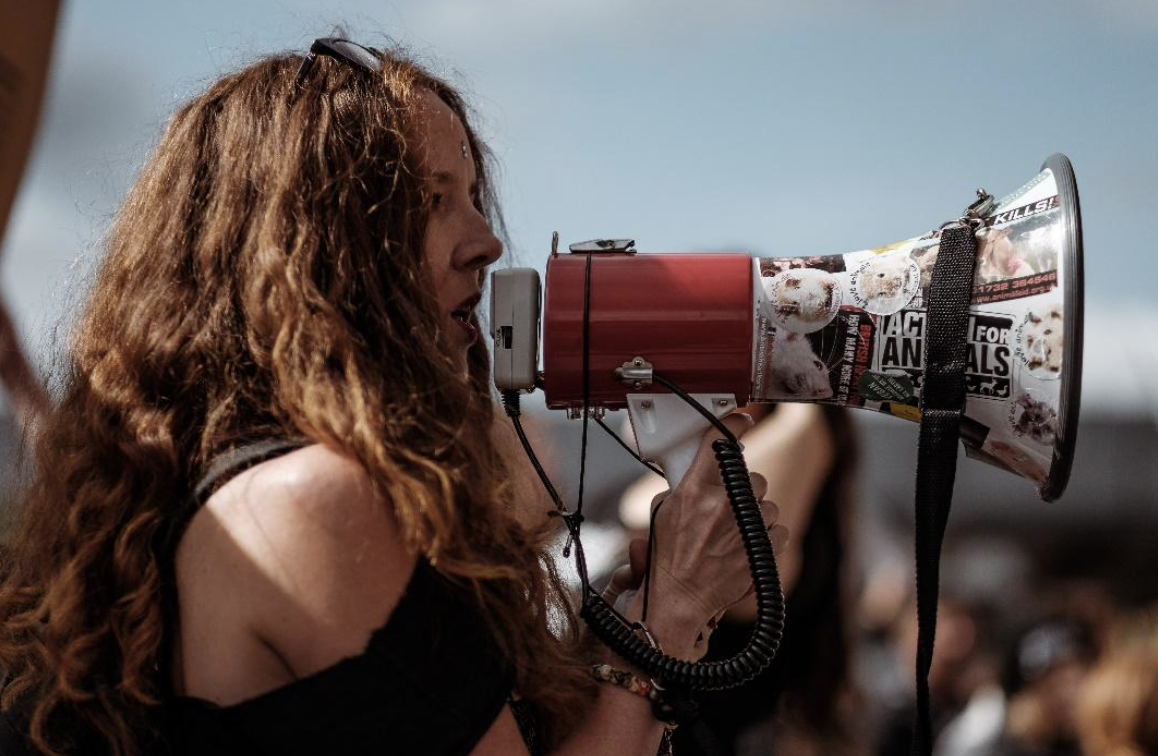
[942, 404]
[221, 470]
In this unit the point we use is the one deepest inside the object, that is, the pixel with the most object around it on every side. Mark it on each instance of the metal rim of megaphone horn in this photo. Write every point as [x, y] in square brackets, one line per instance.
[1074, 312]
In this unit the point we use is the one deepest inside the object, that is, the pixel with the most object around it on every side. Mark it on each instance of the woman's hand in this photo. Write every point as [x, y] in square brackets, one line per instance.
[699, 567]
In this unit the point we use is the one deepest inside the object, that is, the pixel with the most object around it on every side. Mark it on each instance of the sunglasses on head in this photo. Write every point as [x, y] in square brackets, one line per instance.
[358, 56]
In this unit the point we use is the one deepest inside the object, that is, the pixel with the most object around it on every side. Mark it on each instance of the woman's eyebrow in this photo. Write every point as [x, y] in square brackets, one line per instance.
[450, 177]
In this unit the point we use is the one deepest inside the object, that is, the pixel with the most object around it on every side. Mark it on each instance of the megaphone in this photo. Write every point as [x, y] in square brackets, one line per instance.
[844, 329]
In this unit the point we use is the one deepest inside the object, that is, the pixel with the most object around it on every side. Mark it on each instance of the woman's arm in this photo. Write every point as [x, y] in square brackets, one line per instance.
[298, 561]
[320, 564]
[619, 723]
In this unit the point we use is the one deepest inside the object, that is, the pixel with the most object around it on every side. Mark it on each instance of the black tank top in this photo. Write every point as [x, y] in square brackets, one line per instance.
[431, 681]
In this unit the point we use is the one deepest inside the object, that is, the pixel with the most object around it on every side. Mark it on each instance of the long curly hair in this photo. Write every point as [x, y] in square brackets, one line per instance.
[263, 278]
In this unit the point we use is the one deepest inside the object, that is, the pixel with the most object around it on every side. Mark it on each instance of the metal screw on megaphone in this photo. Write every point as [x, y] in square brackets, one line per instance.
[635, 373]
[985, 203]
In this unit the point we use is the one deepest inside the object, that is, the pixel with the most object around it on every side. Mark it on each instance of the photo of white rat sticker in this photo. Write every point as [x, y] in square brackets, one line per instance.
[802, 300]
[797, 371]
[886, 284]
[1039, 341]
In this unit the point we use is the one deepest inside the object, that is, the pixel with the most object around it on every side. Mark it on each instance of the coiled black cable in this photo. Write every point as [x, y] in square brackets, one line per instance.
[616, 632]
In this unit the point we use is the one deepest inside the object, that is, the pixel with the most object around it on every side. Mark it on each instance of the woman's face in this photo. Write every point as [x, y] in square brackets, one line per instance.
[459, 243]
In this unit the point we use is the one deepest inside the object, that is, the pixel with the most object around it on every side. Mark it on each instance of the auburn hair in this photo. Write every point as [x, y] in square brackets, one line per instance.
[263, 278]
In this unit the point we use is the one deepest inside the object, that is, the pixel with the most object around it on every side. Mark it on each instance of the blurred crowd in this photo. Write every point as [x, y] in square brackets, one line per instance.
[1052, 668]
[1027, 663]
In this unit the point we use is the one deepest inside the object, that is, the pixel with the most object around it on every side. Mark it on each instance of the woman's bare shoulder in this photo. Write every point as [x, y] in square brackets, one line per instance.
[303, 552]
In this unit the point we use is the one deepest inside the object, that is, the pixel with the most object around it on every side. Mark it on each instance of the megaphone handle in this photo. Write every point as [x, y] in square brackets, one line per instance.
[668, 431]
[680, 676]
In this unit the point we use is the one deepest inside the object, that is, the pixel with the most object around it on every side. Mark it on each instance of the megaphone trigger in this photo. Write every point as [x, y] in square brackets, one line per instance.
[670, 432]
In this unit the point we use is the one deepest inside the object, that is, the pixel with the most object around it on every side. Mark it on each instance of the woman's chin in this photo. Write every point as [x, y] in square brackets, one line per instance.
[456, 351]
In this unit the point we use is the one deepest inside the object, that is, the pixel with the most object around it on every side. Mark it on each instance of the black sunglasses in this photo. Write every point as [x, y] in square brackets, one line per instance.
[366, 58]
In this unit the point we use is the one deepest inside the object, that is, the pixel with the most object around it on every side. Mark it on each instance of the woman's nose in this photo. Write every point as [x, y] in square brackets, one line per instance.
[479, 249]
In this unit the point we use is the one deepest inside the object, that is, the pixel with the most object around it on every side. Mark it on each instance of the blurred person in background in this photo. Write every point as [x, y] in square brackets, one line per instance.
[804, 704]
[1118, 704]
[1044, 674]
[269, 514]
[987, 581]
[965, 671]
[27, 33]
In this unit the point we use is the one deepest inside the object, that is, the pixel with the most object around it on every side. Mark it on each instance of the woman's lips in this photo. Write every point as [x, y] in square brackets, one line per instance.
[463, 315]
[469, 332]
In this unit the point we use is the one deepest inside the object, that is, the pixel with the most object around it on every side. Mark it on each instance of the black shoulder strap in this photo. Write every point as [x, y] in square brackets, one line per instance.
[238, 460]
[221, 470]
[942, 404]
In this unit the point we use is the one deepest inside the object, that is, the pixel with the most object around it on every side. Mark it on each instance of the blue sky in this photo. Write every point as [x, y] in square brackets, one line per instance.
[783, 127]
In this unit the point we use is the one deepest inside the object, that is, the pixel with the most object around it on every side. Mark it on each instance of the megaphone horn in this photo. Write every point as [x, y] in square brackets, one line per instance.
[843, 329]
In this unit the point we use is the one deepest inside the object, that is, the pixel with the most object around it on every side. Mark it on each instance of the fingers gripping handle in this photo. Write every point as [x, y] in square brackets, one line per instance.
[679, 675]
[669, 432]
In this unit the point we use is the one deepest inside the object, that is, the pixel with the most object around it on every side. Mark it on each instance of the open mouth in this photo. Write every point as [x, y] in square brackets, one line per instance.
[462, 316]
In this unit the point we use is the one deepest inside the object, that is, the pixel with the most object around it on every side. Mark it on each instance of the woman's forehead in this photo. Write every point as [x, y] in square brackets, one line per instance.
[442, 142]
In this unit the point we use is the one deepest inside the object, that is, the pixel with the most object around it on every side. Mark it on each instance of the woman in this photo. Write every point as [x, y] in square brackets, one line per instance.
[291, 286]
